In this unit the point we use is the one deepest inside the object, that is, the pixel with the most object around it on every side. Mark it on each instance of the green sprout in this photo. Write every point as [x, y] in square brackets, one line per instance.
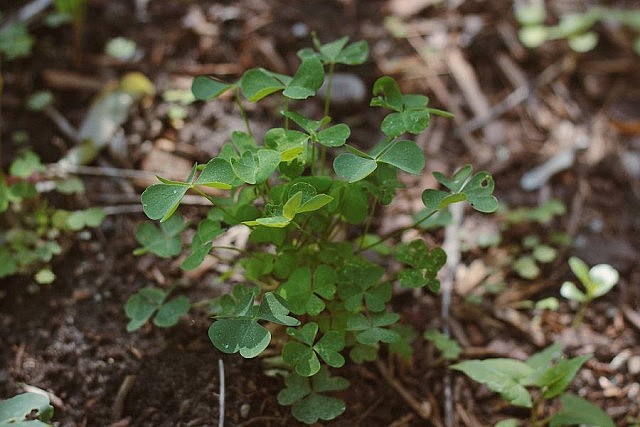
[597, 281]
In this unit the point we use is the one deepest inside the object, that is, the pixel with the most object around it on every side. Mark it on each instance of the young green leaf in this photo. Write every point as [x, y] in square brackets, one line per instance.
[303, 354]
[309, 405]
[405, 155]
[25, 165]
[371, 330]
[205, 88]
[557, 378]
[160, 201]
[505, 376]
[425, 265]
[306, 81]
[26, 409]
[354, 54]
[353, 168]
[163, 241]
[143, 304]
[274, 309]
[578, 411]
[244, 335]
[304, 295]
[449, 348]
[258, 83]
[201, 243]
[217, 173]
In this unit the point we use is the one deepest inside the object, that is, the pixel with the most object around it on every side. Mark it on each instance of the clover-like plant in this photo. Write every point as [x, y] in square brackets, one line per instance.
[149, 301]
[31, 230]
[549, 375]
[576, 28]
[309, 198]
[26, 410]
[596, 281]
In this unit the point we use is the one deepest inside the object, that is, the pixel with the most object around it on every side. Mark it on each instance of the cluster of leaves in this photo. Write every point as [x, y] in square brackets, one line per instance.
[576, 28]
[549, 374]
[332, 299]
[31, 228]
[26, 410]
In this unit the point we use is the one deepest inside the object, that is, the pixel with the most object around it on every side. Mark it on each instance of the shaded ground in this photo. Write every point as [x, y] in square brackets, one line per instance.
[70, 338]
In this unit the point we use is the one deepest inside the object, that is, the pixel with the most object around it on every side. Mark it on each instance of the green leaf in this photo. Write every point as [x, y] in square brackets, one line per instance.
[526, 267]
[201, 243]
[403, 346]
[45, 276]
[504, 376]
[335, 136]
[245, 167]
[603, 279]
[141, 306]
[160, 201]
[317, 407]
[578, 411]
[274, 309]
[329, 347]
[543, 360]
[372, 329]
[26, 409]
[205, 88]
[425, 265]
[557, 378]
[570, 291]
[301, 357]
[306, 81]
[477, 190]
[354, 54]
[289, 143]
[509, 422]
[309, 405]
[164, 241]
[353, 168]
[309, 126]
[15, 41]
[169, 313]
[331, 51]
[40, 100]
[217, 173]
[387, 94]
[242, 335]
[26, 165]
[8, 266]
[302, 296]
[405, 155]
[258, 83]
[449, 348]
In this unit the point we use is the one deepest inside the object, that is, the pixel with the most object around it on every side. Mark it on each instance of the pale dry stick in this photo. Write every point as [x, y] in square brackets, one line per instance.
[221, 396]
[118, 404]
[423, 410]
[27, 13]
[451, 246]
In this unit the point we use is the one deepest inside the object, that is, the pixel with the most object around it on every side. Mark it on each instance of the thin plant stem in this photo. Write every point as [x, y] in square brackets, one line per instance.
[210, 199]
[367, 225]
[577, 320]
[243, 113]
[327, 99]
[395, 233]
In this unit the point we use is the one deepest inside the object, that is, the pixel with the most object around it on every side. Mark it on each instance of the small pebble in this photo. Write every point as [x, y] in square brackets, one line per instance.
[244, 410]
[346, 89]
[633, 365]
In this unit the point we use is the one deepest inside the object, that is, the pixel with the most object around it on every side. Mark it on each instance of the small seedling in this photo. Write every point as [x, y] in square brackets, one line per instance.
[149, 301]
[26, 409]
[297, 204]
[32, 230]
[576, 28]
[597, 281]
[549, 374]
[448, 347]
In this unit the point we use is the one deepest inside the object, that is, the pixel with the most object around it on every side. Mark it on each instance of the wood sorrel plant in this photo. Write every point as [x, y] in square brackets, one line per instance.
[328, 294]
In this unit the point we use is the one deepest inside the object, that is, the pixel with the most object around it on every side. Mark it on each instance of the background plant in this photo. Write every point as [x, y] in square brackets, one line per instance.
[32, 229]
[596, 281]
[311, 228]
[549, 375]
[26, 409]
[576, 28]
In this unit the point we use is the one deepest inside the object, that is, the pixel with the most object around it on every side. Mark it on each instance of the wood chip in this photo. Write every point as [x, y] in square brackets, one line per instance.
[407, 8]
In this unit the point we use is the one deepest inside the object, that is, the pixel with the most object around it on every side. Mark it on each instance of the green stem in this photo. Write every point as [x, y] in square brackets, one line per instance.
[327, 98]
[367, 225]
[577, 320]
[243, 113]
[395, 233]
[212, 201]
[286, 108]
